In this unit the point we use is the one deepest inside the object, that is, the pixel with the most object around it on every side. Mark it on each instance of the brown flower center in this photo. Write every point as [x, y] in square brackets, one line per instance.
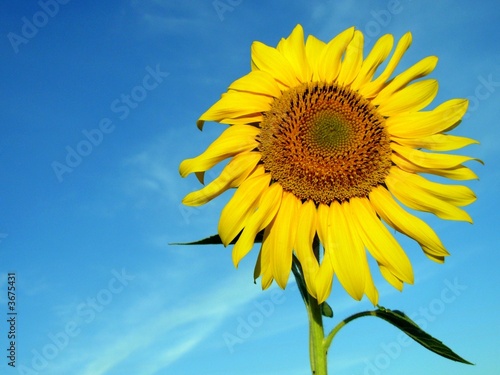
[325, 142]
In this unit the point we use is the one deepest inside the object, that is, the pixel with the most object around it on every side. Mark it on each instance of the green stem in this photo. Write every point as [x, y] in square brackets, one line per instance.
[317, 349]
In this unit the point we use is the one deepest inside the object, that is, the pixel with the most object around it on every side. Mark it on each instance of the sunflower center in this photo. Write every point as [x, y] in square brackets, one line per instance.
[325, 142]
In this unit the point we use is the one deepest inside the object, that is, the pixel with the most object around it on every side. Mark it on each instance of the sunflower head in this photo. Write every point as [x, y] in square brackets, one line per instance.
[323, 150]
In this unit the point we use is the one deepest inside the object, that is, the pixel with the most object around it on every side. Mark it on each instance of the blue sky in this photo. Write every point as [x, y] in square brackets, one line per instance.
[99, 106]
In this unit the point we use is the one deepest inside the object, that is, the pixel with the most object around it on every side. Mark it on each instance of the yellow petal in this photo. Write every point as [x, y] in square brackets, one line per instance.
[457, 195]
[257, 82]
[306, 230]
[418, 199]
[430, 160]
[293, 49]
[351, 64]
[375, 58]
[239, 209]
[236, 104]
[324, 277]
[329, 61]
[370, 290]
[391, 279]
[271, 61]
[360, 260]
[252, 119]
[347, 252]
[268, 207]
[436, 142]
[371, 89]
[420, 69]
[379, 241]
[257, 271]
[410, 99]
[263, 266]
[420, 124]
[456, 173]
[435, 258]
[282, 238]
[234, 140]
[233, 174]
[314, 49]
[401, 220]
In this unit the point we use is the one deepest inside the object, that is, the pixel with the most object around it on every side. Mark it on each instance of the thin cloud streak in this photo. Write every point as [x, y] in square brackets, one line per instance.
[187, 324]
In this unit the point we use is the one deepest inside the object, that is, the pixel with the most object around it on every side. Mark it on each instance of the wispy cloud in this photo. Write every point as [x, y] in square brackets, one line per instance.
[151, 326]
[172, 17]
[154, 172]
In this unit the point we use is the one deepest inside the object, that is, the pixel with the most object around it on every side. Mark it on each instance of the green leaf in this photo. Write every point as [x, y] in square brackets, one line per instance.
[212, 240]
[216, 240]
[326, 310]
[408, 326]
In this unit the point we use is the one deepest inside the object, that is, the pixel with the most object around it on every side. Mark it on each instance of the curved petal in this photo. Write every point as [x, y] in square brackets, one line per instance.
[457, 195]
[351, 64]
[430, 160]
[257, 82]
[329, 61]
[268, 207]
[379, 241]
[282, 238]
[271, 61]
[239, 209]
[306, 230]
[420, 69]
[314, 49]
[233, 174]
[264, 260]
[293, 49]
[436, 142]
[435, 258]
[375, 58]
[324, 277]
[459, 172]
[410, 99]
[252, 119]
[401, 220]
[390, 278]
[359, 257]
[370, 290]
[425, 123]
[234, 140]
[347, 252]
[418, 199]
[371, 89]
[235, 104]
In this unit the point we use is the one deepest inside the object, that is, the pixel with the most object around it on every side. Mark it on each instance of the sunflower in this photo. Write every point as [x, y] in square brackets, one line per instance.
[321, 149]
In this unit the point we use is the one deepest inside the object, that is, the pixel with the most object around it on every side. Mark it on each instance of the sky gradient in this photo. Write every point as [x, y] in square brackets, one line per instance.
[100, 102]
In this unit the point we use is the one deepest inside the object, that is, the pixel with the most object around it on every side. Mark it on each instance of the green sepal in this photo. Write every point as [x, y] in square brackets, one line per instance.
[400, 320]
[216, 240]
[326, 310]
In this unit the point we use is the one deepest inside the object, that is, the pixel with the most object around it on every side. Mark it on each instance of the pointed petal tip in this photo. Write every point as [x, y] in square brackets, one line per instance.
[184, 168]
[408, 35]
[189, 201]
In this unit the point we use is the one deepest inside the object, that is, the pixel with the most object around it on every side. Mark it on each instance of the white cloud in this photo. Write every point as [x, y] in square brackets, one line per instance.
[173, 17]
[151, 330]
[154, 172]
